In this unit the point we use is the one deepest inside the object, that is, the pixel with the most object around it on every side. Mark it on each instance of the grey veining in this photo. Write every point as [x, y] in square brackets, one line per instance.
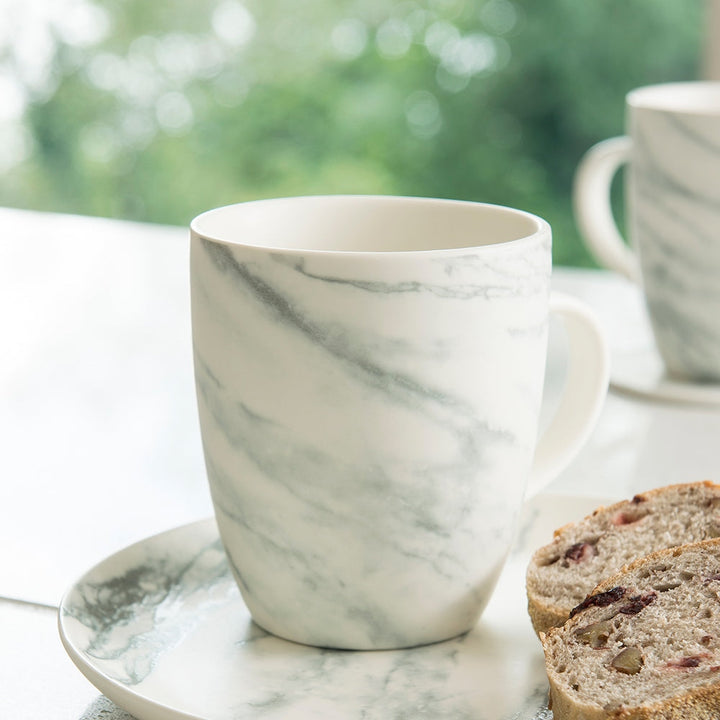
[364, 434]
[675, 194]
[177, 634]
[136, 607]
[672, 152]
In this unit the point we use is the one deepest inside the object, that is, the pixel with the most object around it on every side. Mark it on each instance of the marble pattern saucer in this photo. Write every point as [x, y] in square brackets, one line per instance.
[160, 629]
[640, 372]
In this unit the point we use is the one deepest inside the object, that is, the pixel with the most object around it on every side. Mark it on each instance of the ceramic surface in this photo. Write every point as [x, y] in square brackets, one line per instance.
[675, 189]
[641, 372]
[673, 153]
[369, 419]
[161, 629]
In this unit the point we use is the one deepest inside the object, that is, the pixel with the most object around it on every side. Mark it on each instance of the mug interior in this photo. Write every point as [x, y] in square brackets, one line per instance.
[693, 98]
[363, 223]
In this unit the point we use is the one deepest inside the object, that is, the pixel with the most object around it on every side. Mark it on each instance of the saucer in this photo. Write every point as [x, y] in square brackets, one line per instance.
[160, 628]
[640, 372]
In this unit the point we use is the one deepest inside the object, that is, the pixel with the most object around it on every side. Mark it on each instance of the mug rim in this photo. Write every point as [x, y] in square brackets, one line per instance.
[691, 97]
[199, 225]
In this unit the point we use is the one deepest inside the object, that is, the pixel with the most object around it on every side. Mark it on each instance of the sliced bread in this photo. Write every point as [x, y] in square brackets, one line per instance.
[645, 644]
[582, 554]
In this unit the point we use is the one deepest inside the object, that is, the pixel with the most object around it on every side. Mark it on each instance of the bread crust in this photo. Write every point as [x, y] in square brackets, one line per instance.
[545, 615]
[696, 704]
[702, 703]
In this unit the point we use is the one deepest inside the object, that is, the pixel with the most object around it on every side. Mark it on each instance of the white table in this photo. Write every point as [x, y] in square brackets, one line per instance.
[100, 444]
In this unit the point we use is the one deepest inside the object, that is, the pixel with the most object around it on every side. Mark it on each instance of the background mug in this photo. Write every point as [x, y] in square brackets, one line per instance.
[369, 376]
[673, 199]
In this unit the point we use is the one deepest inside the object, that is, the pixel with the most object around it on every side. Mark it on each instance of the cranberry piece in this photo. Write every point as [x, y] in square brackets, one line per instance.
[626, 518]
[579, 552]
[602, 599]
[691, 661]
[637, 603]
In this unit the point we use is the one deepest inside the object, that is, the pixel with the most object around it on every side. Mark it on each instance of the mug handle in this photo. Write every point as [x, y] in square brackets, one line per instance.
[582, 397]
[591, 205]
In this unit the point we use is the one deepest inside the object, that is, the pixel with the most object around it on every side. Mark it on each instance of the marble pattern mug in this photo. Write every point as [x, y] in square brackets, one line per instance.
[369, 376]
[673, 198]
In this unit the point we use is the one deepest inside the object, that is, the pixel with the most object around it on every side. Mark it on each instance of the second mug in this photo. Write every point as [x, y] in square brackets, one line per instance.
[673, 200]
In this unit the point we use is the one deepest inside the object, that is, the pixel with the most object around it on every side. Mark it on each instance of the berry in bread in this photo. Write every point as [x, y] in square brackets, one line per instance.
[582, 554]
[645, 644]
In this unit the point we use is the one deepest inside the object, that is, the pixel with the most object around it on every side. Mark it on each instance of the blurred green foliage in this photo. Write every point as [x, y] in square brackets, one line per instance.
[159, 110]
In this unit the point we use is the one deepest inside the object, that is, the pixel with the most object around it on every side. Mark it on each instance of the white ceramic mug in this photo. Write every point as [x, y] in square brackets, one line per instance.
[369, 376]
[673, 198]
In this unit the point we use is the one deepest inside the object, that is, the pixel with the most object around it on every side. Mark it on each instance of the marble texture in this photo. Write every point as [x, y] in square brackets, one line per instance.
[133, 479]
[161, 629]
[675, 193]
[368, 422]
[642, 373]
[673, 199]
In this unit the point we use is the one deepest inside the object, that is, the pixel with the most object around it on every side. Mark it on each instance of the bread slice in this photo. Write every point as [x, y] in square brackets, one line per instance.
[645, 644]
[582, 554]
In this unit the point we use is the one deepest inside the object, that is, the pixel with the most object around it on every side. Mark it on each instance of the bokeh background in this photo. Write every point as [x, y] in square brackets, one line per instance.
[155, 110]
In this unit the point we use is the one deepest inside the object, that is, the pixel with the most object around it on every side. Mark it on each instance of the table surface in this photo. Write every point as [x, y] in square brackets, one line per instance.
[101, 446]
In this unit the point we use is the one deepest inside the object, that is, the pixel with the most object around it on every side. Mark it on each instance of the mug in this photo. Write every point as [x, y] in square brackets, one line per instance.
[369, 374]
[673, 199]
